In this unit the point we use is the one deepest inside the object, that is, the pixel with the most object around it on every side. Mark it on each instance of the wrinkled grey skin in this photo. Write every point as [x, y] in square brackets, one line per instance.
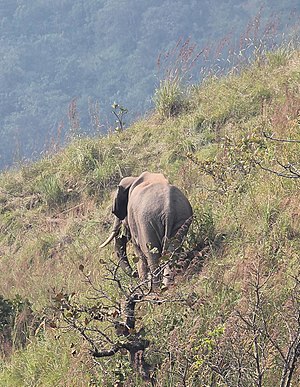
[153, 212]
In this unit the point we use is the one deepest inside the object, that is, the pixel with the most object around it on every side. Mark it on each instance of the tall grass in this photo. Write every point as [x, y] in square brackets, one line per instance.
[54, 215]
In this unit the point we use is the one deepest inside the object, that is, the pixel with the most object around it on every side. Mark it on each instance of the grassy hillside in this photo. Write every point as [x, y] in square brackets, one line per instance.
[233, 316]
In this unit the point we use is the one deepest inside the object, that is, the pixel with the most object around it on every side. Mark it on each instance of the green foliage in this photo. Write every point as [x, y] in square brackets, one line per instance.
[6, 313]
[279, 57]
[45, 245]
[44, 363]
[51, 191]
[16, 318]
[202, 231]
[206, 345]
[168, 98]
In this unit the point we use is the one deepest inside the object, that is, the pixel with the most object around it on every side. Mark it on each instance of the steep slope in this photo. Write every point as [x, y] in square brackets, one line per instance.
[232, 318]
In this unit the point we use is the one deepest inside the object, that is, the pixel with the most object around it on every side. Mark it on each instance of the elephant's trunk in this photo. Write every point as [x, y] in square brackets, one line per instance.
[114, 233]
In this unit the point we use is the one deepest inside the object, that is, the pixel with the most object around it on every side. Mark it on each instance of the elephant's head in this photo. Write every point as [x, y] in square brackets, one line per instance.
[119, 209]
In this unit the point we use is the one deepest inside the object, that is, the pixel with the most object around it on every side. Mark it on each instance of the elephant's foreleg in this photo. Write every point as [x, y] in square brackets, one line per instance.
[120, 250]
[148, 269]
[168, 276]
[142, 266]
[153, 260]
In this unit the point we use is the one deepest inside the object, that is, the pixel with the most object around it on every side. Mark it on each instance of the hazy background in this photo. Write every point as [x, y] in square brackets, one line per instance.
[97, 52]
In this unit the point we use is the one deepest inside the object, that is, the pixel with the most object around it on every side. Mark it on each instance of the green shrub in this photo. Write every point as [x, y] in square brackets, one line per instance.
[16, 318]
[202, 230]
[51, 190]
[169, 99]
[45, 362]
[279, 57]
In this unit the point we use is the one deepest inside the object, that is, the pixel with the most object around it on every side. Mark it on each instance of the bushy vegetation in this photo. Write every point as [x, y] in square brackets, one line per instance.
[16, 324]
[232, 317]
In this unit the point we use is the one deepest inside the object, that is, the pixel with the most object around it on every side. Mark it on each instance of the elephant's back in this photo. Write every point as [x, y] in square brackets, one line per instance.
[152, 193]
[149, 199]
[160, 203]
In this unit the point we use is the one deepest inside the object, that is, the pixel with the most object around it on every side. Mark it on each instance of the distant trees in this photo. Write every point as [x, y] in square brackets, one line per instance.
[52, 52]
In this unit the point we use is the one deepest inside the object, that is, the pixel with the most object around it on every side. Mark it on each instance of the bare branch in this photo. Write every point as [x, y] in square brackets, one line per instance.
[100, 292]
[293, 174]
[280, 139]
[105, 353]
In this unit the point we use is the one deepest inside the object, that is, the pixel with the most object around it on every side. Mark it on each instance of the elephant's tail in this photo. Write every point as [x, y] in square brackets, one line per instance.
[173, 242]
[167, 233]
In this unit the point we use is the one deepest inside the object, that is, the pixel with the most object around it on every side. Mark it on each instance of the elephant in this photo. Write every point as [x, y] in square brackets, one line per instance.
[153, 213]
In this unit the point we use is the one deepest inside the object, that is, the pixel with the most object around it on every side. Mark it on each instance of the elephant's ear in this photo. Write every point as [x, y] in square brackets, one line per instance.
[120, 202]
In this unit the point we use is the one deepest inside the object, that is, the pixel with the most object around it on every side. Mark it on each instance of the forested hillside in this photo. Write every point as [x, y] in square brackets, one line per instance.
[69, 316]
[95, 53]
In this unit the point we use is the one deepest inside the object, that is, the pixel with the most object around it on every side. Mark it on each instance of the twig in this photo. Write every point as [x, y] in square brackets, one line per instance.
[100, 291]
[105, 353]
[72, 208]
[280, 139]
[293, 174]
